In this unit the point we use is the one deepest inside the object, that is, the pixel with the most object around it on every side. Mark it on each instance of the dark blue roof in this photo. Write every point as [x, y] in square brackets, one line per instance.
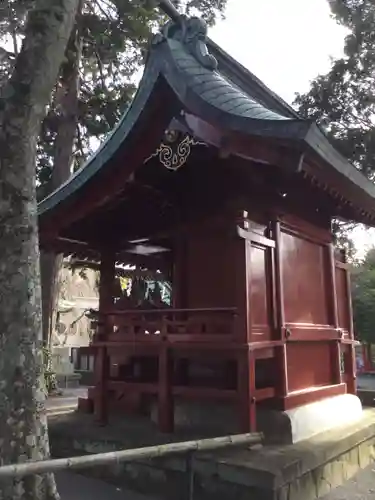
[220, 91]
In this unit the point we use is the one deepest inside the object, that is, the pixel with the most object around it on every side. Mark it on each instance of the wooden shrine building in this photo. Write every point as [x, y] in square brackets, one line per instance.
[214, 181]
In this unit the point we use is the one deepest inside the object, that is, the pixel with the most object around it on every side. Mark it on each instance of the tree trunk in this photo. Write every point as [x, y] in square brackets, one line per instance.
[67, 109]
[23, 423]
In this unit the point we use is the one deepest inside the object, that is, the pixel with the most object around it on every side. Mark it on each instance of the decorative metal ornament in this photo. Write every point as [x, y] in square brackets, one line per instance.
[173, 154]
[191, 32]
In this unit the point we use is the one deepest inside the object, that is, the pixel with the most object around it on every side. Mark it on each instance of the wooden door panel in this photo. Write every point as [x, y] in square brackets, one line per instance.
[261, 290]
[309, 365]
[304, 278]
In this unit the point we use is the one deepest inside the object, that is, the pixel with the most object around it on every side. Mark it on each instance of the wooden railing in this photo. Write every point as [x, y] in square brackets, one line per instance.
[173, 324]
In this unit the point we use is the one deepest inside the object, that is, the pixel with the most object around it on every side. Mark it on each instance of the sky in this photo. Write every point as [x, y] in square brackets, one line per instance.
[286, 44]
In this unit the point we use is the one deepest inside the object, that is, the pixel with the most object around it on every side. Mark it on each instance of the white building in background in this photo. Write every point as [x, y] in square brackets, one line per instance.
[78, 294]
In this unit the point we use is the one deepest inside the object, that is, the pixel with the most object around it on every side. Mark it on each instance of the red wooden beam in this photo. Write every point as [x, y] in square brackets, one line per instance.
[257, 149]
[107, 278]
[307, 396]
[281, 354]
[68, 246]
[165, 398]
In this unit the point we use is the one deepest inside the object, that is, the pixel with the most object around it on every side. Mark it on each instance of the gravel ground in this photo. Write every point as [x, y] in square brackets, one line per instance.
[361, 487]
[366, 382]
[75, 487]
[68, 396]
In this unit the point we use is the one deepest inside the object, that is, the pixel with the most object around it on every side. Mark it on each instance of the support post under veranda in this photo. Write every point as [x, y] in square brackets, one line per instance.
[106, 287]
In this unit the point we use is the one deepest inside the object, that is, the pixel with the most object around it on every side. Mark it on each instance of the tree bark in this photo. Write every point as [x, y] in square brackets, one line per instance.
[67, 109]
[23, 423]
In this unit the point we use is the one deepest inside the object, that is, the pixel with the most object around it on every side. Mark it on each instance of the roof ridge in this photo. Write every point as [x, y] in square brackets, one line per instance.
[245, 75]
[192, 33]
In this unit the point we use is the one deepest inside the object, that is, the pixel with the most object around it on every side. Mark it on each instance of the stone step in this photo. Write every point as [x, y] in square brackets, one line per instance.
[306, 470]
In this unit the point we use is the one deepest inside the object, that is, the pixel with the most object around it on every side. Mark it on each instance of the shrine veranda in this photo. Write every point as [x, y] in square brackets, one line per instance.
[216, 184]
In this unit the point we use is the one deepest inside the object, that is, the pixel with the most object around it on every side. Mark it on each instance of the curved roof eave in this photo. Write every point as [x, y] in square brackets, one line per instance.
[210, 95]
[320, 144]
[180, 69]
[202, 91]
[109, 147]
[180, 56]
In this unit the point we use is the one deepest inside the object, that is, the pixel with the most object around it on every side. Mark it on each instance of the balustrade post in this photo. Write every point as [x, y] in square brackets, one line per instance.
[350, 369]
[165, 396]
[106, 287]
[246, 391]
[335, 347]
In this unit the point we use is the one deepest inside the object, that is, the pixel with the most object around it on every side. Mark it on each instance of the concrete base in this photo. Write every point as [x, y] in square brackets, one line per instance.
[303, 422]
[222, 417]
[303, 471]
[279, 427]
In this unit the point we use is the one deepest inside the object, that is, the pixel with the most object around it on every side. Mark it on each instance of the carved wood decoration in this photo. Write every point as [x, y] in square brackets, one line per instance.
[175, 149]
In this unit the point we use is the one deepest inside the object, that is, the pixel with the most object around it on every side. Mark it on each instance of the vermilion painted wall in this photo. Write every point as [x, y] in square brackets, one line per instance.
[305, 314]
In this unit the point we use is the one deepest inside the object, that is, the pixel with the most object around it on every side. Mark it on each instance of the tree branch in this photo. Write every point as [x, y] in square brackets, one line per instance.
[105, 14]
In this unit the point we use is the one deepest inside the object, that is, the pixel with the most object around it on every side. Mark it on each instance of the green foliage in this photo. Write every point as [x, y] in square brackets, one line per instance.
[341, 231]
[115, 36]
[363, 295]
[50, 380]
[343, 100]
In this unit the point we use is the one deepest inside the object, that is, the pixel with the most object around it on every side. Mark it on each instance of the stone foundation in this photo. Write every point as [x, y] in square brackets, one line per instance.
[306, 421]
[302, 471]
[279, 427]
[221, 416]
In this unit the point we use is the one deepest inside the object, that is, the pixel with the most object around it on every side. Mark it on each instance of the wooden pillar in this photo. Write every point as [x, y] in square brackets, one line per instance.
[280, 310]
[367, 359]
[247, 289]
[281, 352]
[282, 388]
[350, 369]
[349, 358]
[242, 271]
[165, 396]
[332, 285]
[245, 358]
[106, 287]
[180, 273]
[246, 391]
[335, 356]
[349, 295]
[335, 346]
[363, 367]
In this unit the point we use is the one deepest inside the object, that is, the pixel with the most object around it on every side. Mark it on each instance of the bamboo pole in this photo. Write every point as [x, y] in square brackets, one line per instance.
[130, 455]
